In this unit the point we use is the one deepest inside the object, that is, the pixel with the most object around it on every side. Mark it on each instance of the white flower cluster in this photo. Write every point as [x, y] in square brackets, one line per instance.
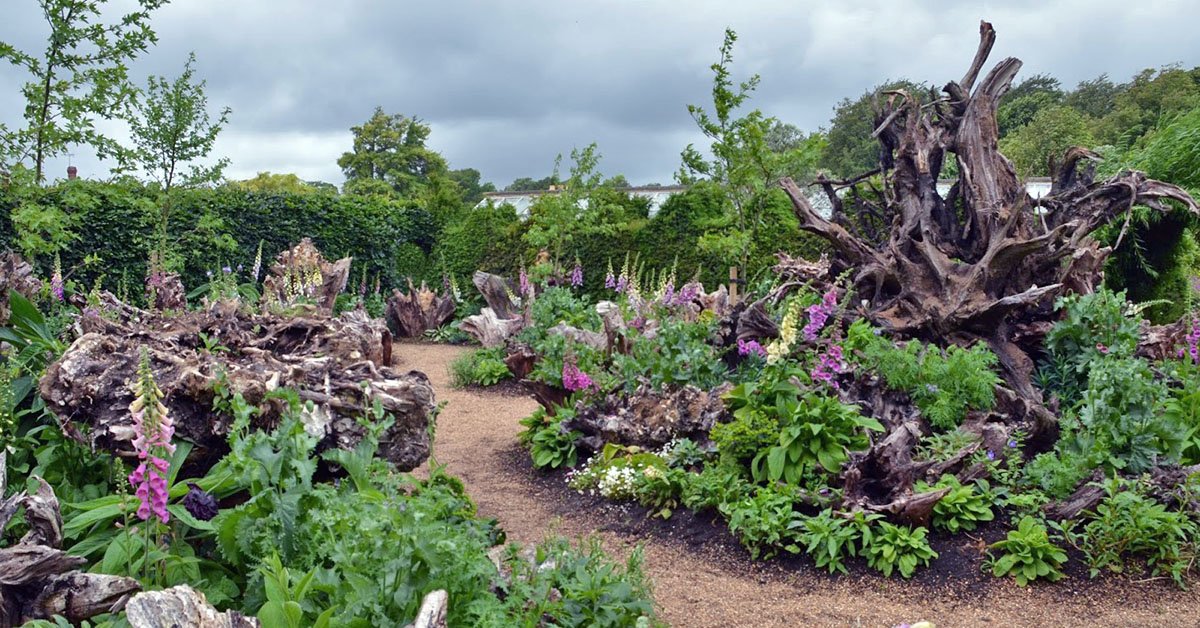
[618, 482]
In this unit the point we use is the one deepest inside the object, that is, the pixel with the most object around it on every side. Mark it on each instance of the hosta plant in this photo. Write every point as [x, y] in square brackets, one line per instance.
[830, 537]
[819, 433]
[898, 548]
[1027, 554]
[964, 507]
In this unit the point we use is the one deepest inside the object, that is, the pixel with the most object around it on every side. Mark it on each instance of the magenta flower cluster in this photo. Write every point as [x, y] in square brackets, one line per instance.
[574, 379]
[577, 275]
[828, 365]
[56, 280]
[751, 347]
[819, 314]
[688, 293]
[1193, 342]
[610, 282]
[668, 293]
[153, 431]
[525, 288]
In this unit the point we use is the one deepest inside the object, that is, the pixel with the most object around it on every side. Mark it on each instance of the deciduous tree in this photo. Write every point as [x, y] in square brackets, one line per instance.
[390, 157]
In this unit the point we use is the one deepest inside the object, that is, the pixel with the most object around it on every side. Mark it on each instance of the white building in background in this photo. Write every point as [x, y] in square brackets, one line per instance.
[1037, 187]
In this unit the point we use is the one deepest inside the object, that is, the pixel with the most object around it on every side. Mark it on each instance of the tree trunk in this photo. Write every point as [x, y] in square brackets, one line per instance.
[419, 311]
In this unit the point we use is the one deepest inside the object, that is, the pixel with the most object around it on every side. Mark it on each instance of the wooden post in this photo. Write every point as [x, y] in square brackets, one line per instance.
[733, 285]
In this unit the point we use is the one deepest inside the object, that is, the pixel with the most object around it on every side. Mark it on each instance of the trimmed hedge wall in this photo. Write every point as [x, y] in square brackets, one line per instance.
[114, 223]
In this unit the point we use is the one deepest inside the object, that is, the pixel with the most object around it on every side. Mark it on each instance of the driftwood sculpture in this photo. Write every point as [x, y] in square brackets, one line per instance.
[501, 318]
[16, 275]
[39, 580]
[985, 262]
[341, 365]
[418, 311]
[302, 273]
[181, 606]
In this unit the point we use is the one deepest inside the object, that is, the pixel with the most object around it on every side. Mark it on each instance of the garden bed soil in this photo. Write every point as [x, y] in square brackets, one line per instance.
[703, 577]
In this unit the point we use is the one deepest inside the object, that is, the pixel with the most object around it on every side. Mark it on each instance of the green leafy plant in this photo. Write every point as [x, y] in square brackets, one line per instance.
[963, 507]
[1027, 554]
[1129, 524]
[284, 607]
[482, 367]
[715, 485]
[764, 522]
[819, 433]
[897, 548]
[679, 354]
[830, 537]
[549, 445]
[944, 384]
[1093, 327]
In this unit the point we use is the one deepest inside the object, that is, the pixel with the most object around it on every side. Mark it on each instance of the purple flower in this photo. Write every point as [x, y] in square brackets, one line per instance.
[1193, 342]
[201, 504]
[622, 284]
[610, 282]
[523, 279]
[931, 388]
[668, 293]
[153, 430]
[818, 315]
[1101, 348]
[751, 347]
[577, 275]
[1012, 443]
[56, 280]
[829, 364]
[445, 283]
[991, 455]
[208, 273]
[574, 379]
[690, 291]
[226, 270]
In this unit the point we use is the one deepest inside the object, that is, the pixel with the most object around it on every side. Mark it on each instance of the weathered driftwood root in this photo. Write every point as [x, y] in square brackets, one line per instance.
[649, 418]
[164, 291]
[489, 329]
[432, 614]
[16, 275]
[987, 256]
[39, 580]
[342, 365]
[419, 310]
[181, 606]
[303, 273]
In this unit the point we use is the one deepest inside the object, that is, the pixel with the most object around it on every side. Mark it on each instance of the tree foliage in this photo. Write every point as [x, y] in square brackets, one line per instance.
[1046, 137]
[80, 77]
[389, 157]
[851, 150]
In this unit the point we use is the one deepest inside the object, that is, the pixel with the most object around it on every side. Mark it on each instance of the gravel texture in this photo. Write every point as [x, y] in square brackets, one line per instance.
[702, 578]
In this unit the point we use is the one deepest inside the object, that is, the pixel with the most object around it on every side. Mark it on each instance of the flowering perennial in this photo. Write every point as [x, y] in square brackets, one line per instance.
[828, 365]
[1193, 342]
[153, 430]
[56, 280]
[751, 347]
[818, 314]
[257, 268]
[574, 379]
[610, 281]
[524, 286]
[577, 274]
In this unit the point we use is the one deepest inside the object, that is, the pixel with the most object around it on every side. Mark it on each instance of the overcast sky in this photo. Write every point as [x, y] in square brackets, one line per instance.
[508, 85]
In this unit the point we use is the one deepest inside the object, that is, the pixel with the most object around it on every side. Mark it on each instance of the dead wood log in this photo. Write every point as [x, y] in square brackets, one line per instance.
[432, 613]
[489, 329]
[302, 273]
[39, 580]
[753, 323]
[987, 255]
[649, 418]
[16, 275]
[164, 291]
[418, 311]
[615, 333]
[498, 294]
[181, 606]
[337, 363]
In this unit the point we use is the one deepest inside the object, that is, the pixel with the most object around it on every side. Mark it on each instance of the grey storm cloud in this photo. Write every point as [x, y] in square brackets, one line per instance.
[507, 86]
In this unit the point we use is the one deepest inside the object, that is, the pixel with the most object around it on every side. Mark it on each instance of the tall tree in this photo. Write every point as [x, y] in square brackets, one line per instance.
[468, 180]
[1094, 97]
[1046, 138]
[172, 133]
[390, 156]
[80, 77]
[1152, 97]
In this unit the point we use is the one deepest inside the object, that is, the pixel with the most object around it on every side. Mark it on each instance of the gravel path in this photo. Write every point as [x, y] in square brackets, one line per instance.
[476, 435]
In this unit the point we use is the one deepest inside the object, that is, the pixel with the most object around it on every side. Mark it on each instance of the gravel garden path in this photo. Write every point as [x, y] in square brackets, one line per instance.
[716, 584]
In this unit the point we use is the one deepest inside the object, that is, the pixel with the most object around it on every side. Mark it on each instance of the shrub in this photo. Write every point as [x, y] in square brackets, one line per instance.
[713, 486]
[1027, 554]
[764, 522]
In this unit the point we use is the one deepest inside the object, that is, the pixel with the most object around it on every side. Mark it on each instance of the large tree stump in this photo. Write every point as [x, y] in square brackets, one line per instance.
[16, 275]
[302, 273]
[341, 365]
[986, 258]
[419, 310]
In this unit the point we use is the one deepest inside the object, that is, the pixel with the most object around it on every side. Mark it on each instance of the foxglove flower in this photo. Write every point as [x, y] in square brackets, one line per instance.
[751, 347]
[829, 364]
[818, 315]
[56, 280]
[610, 281]
[524, 282]
[153, 431]
[577, 275]
[257, 268]
[1193, 342]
